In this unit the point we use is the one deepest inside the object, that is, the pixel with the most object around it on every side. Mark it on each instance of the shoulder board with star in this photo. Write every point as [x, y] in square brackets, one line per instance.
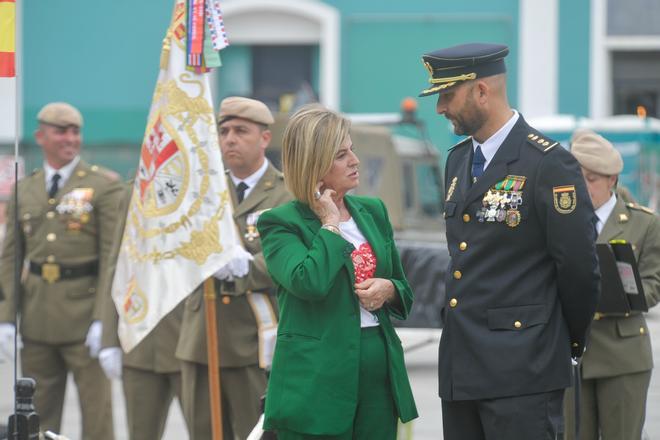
[462, 142]
[637, 207]
[540, 142]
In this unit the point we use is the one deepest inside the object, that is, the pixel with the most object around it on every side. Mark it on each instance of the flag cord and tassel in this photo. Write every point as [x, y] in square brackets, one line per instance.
[215, 392]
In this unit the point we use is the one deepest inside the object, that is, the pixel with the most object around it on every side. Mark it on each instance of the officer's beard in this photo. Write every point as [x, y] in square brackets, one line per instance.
[469, 119]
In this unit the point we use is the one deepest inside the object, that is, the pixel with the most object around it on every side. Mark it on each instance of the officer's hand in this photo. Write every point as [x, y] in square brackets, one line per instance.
[110, 359]
[93, 339]
[7, 331]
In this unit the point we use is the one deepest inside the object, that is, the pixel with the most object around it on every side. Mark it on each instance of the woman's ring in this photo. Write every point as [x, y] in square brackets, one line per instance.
[317, 195]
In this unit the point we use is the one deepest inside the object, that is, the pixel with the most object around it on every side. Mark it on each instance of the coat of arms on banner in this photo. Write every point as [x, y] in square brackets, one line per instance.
[179, 229]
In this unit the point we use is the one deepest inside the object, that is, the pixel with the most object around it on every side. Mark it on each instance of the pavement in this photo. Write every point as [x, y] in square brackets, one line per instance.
[421, 360]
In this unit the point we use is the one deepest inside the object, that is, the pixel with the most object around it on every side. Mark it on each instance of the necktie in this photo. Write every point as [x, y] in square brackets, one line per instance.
[240, 191]
[54, 185]
[478, 162]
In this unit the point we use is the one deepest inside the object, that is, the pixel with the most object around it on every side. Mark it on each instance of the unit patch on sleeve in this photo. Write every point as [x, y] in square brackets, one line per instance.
[565, 198]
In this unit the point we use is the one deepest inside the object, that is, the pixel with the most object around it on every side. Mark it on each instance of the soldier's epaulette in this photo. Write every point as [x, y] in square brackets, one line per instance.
[637, 207]
[463, 141]
[108, 173]
[541, 143]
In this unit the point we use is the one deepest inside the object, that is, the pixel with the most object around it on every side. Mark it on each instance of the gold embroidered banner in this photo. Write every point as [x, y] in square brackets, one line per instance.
[179, 230]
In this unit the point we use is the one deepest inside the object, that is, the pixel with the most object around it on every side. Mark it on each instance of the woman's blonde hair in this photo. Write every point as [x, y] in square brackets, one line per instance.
[311, 140]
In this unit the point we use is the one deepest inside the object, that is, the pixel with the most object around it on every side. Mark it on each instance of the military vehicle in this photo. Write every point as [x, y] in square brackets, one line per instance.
[399, 165]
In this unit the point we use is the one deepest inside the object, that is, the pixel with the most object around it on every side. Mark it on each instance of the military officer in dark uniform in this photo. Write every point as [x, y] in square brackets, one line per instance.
[523, 281]
[67, 213]
[616, 367]
[245, 305]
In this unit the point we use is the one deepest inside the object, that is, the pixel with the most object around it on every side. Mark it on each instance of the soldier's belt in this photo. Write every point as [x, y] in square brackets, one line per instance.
[52, 272]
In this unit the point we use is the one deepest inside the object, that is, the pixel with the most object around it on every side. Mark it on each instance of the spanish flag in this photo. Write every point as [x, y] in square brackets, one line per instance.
[7, 42]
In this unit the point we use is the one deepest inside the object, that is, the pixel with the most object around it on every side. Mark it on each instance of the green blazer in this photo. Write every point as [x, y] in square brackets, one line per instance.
[314, 380]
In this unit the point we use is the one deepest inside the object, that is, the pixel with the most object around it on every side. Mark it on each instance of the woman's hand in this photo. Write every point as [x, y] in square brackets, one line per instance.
[374, 292]
[324, 207]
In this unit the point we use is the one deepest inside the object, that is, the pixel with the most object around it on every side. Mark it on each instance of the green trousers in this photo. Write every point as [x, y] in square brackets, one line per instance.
[375, 416]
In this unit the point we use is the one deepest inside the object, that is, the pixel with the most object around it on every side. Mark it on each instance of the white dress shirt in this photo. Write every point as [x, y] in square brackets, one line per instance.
[251, 180]
[493, 143]
[64, 172]
[603, 213]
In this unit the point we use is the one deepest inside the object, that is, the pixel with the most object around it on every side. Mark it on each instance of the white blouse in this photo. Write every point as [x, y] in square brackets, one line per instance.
[364, 261]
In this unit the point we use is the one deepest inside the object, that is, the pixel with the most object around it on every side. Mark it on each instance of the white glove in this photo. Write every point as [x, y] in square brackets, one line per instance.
[7, 331]
[50, 435]
[237, 267]
[93, 339]
[110, 360]
[224, 274]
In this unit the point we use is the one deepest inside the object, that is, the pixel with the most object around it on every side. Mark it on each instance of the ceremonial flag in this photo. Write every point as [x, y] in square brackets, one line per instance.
[7, 39]
[180, 229]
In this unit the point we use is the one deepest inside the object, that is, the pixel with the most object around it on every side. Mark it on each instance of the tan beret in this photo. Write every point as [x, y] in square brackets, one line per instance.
[60, 114]
[244, 108]
[579, 132]
[596, 153]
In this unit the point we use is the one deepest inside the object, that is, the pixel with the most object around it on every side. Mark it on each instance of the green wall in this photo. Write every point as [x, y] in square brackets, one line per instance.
[381, 67]
[574, 53]
[103, 57]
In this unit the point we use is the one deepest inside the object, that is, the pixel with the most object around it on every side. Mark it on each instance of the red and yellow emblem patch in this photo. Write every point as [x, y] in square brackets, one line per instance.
[565, 198]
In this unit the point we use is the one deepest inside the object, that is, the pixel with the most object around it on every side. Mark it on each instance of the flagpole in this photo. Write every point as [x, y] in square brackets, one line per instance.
[17, 257]
[213, 359]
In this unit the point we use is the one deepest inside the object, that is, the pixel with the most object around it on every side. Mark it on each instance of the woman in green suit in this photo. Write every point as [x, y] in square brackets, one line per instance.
[338, 370]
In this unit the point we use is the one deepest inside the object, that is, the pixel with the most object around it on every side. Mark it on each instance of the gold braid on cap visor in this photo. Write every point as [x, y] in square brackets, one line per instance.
[449, 81]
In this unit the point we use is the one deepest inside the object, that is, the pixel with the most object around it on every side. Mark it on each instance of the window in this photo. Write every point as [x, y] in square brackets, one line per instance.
[282, 75]
[636, 83]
